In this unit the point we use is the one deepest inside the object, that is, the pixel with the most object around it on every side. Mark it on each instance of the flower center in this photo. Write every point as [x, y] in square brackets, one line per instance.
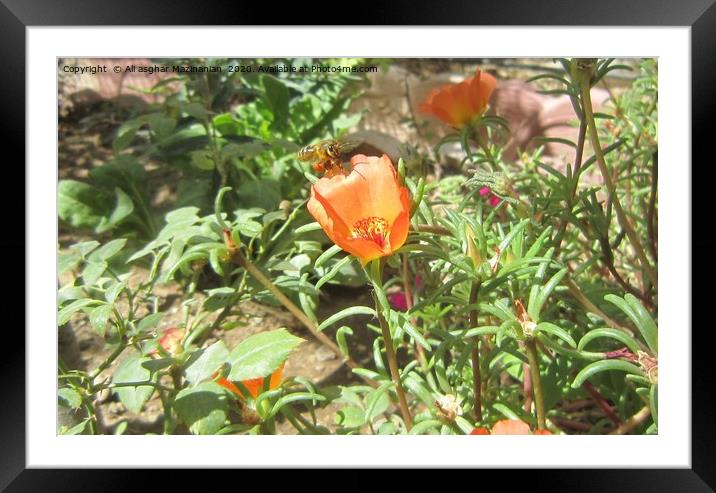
[371, 228]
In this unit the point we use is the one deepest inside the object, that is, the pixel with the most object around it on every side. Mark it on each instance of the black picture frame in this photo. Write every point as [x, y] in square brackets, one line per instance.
[700, 15]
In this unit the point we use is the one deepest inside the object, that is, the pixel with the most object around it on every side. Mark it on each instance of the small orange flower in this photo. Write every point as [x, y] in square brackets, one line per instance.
[509, 427]
[366, 212]
[170, 341]
[253, 385]
[458, 104]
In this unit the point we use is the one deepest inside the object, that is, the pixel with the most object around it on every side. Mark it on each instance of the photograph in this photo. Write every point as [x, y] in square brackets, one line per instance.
[357, 246]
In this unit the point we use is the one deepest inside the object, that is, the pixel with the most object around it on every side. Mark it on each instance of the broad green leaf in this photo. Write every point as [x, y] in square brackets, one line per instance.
[64, 315]
[150, 321]
[350, 417]
[377, 401]
[99, 317]
[75, 430]
[107, 251]
[203, 160]
[67, 262]
[69, 398]
[122, 210]
[85, 247]
[81, 205]
[205, 362]
[202, 408]
[125, 135]
[276, 98]
[132, 370]
[182, 214]
[93, 271]
[112, 292]
[261, 354]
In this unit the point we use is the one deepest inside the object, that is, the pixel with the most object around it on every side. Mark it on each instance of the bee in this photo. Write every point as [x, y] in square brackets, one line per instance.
[326, 156]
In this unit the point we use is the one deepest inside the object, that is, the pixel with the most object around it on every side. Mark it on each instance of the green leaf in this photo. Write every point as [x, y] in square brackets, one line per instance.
[644, 322]
[93, 271]
[81, 205]
[64, 315]
[75, 430]
[334, 270]
[122, 210]
[264, 193]
[540, 299]
[605, 365]
[132, 370]
[194, 109]
[276, 98]
[107, 251]
[341, 339]
[261, 354]
[67, 262]
[350, 417]
[307, 228]
[205, 362]
[85, 247]
[415, 334]
[654, 402]
[641, 318]
[377, 401]
[202, 408]
[182, 214]
[112, 292]
[425, 426]
[69, 397]
[328, 254]
[99, 317]
[161, 125]
[293, 397]
[125, 135]
[348, 312]
[556, 331]
[202, 160]
[150, 321]
[611, 333]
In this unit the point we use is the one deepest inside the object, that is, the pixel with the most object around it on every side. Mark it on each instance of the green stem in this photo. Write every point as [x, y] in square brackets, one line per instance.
[253, 271]
[376, 277]
[579, 153]
[621, 215]
[531, 348]
[475, 353]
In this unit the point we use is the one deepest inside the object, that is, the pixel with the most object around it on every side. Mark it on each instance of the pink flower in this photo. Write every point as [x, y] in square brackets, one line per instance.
[398, 301]
[493, 199]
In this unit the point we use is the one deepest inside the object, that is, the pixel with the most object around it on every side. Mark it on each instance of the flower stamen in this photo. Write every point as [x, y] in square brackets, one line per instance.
[371, 228]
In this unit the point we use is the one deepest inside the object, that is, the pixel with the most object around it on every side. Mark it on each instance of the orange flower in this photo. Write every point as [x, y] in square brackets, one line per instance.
[253, 385]
[458, 104]
[170, 341]
[509, 427]
[366, 212]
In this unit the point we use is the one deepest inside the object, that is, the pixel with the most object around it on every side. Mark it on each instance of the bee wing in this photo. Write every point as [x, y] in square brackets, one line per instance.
[349, 145]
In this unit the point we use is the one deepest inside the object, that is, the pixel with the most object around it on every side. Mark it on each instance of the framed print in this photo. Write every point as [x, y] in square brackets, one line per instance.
[342, 246]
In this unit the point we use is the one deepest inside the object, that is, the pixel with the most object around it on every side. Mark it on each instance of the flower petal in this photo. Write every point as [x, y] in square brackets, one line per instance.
[511, 427]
